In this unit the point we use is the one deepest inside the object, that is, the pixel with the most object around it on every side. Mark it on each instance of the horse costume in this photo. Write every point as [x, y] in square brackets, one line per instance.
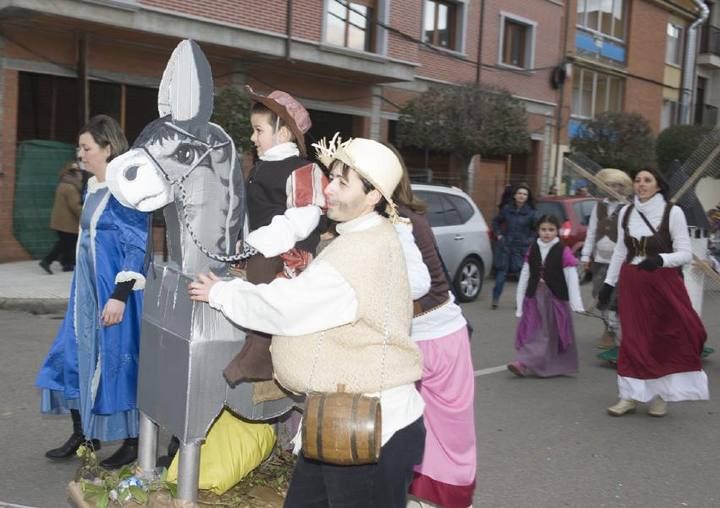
[188, 167]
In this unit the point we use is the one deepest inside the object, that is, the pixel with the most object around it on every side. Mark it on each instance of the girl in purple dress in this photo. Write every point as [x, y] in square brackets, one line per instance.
[547, 291]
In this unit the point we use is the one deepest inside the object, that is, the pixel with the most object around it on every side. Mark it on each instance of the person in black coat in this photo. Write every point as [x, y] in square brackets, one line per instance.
[514, 228]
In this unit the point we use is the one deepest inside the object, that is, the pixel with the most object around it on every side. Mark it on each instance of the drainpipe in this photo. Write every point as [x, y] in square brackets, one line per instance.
[688, 75]
[557, 172]
[288, 30]
[83, 84]
[478, 68]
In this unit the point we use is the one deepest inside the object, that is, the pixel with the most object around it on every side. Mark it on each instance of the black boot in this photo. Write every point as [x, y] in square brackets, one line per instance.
[68, 449]
[74, 441]
[126, 454]
[45, 266]
[172, 450]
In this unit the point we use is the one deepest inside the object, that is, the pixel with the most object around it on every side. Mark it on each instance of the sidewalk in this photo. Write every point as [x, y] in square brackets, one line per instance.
[25, 286]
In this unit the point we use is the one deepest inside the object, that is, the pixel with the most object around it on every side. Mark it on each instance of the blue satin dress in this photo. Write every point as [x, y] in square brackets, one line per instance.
[91, 367]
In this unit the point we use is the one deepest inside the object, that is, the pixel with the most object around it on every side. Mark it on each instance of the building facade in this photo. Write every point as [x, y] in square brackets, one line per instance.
[353, 63]
[707, 95]
[629, 55]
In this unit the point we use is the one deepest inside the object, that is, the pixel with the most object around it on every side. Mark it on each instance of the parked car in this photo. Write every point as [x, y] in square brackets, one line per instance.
[462, 236]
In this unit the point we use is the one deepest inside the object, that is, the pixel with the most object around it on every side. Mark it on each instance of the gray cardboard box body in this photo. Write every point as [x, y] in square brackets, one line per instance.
[181, 383]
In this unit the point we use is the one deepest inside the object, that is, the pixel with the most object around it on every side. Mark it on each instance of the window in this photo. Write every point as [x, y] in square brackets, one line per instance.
[595, 93]
[516, 47]
[105, 98]
[452, 215]
[604, 16]
[435, 213]
[462, 206]
[440, 22]
[673, 50]
[351, 24]
[445, 209]
[700, 100]
[668, 116]
[48, 106]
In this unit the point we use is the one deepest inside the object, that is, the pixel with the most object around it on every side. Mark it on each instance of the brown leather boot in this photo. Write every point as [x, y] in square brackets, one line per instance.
[252, 363]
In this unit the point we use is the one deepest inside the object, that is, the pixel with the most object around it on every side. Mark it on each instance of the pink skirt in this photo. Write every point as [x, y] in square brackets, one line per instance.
[446, 476]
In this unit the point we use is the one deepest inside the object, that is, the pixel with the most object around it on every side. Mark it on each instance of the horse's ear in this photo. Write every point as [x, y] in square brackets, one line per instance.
[186, 88]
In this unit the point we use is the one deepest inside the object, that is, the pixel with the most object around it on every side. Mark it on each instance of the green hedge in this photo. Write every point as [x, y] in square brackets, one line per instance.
[36, 176]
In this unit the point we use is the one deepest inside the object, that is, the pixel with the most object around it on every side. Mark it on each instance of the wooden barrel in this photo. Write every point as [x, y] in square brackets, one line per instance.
[342, 428]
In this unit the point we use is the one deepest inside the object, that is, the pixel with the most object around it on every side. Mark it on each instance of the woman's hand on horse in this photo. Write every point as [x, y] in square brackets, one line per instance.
[113, 312]
[200, 289]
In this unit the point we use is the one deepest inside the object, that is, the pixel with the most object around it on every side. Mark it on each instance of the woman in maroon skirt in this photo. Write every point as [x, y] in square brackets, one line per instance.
[663, 337]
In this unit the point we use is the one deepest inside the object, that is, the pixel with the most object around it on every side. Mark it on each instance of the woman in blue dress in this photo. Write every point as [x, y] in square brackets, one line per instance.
[92, 367]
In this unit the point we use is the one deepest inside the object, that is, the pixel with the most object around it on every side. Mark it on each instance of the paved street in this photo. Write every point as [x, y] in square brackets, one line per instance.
[548, 443]
[542, 443]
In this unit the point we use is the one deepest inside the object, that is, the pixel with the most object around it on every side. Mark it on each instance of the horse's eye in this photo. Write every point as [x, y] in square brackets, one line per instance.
[185, 154]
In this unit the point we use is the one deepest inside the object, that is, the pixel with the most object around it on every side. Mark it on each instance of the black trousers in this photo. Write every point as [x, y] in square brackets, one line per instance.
[63, 250]
[382, 485]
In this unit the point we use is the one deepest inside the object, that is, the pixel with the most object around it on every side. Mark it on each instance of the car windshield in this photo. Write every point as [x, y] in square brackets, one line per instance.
[552, 208]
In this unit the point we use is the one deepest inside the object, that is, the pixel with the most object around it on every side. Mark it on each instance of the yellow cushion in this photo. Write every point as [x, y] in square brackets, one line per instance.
[232, 449]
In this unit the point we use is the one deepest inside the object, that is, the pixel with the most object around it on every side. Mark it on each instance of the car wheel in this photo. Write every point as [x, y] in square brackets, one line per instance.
[468, 280]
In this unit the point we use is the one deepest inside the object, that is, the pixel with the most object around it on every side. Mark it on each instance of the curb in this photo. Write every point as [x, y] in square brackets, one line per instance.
[35, 305]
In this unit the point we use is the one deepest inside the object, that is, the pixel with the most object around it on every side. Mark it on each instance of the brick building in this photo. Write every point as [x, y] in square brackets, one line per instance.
[629, 55]
[351, 62]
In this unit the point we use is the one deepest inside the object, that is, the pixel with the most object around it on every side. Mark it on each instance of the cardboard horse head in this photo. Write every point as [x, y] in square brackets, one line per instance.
[189, 167]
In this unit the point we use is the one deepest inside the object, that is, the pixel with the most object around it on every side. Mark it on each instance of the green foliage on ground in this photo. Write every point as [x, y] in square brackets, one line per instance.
[264, 487]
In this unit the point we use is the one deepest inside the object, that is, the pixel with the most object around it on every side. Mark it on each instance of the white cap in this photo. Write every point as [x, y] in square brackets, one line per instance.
[372, 160]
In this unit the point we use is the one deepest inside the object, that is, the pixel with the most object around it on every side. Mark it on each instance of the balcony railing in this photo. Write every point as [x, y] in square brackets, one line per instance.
[710, 40]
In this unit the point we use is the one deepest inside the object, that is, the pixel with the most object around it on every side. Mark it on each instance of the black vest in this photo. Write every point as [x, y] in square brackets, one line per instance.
[266, 195]
[607, 224]
[551, 271]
